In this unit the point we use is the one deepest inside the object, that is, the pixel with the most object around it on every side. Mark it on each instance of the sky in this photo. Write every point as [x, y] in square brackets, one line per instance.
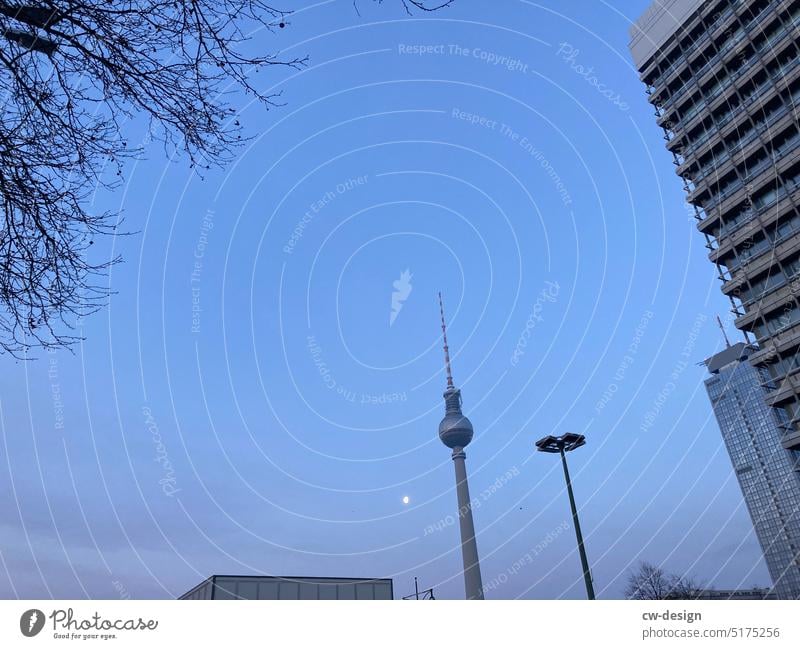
[264, 387]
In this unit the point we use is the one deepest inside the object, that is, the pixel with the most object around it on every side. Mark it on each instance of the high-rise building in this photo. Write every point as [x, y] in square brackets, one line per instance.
[765, 470]
[724, 79]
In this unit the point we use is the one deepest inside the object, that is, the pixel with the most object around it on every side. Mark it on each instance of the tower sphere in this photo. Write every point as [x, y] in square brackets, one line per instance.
[455, 430]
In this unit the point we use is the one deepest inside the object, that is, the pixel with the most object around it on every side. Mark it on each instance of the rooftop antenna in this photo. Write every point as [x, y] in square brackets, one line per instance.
[724, 335]
[446, 348]
[420, 594]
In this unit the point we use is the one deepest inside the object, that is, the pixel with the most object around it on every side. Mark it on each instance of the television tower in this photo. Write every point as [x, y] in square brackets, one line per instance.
[455, 431]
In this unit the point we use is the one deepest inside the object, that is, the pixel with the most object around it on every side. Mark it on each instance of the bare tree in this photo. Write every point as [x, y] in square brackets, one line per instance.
[72, 73]
[652, 582]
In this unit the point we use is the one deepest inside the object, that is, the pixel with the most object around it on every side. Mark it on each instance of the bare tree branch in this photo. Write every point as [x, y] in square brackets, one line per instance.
[422, 5]
[72, 73]
[408, 4]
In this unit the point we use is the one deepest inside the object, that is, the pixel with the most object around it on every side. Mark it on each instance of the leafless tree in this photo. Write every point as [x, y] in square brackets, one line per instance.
[652, 582]
[72, 73]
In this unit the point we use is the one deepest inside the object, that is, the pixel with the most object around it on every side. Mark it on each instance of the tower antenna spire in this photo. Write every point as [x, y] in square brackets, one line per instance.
[724, 335]
[446, 348]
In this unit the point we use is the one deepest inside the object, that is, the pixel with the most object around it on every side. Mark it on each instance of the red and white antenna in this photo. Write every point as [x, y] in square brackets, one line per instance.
[446, 348]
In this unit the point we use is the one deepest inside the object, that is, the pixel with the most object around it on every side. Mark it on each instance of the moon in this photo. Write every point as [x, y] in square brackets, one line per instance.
[406, 500]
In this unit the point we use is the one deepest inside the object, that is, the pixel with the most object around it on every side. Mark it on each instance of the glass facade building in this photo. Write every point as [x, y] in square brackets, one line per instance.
[723, 77]
[767, 472]
[308, 588]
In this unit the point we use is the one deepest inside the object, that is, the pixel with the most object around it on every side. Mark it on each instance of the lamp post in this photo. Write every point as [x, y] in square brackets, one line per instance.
[562, 445]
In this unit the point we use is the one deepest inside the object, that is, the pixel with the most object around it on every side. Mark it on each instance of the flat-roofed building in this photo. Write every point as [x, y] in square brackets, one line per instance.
[310, 588]
[737, 593]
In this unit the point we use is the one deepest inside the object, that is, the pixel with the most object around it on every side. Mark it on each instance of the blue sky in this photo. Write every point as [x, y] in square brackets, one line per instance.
[245, 404]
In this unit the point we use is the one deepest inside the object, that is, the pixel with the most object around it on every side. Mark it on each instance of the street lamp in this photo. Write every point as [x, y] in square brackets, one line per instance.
[565, 443]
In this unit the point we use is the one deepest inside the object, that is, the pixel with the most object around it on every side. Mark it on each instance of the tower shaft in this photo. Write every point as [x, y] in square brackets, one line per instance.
[473, 584]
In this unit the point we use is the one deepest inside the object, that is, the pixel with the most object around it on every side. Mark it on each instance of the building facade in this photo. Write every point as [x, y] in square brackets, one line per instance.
[765, 470]
[308, 588]
[723, 77]
[739, 594]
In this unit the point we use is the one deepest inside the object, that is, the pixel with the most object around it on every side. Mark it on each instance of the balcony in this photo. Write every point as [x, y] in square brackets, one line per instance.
[791, 440]
[697, 73]
[778, 247]
[776, 298]
[662, 77]
[781, 73]
[788, 390]
[764, 92]
[713, 103]
[770, 347]
[695, 146]
[715, 200]
[776, 344]
[737, 232]
[710, 170]
[761, 175]
[777, 121]
[759, 263]
[750, 226]
[720, 56]
[698, 44]
[765, 217]
[782, 33]
[720, 24]
[752, 304]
